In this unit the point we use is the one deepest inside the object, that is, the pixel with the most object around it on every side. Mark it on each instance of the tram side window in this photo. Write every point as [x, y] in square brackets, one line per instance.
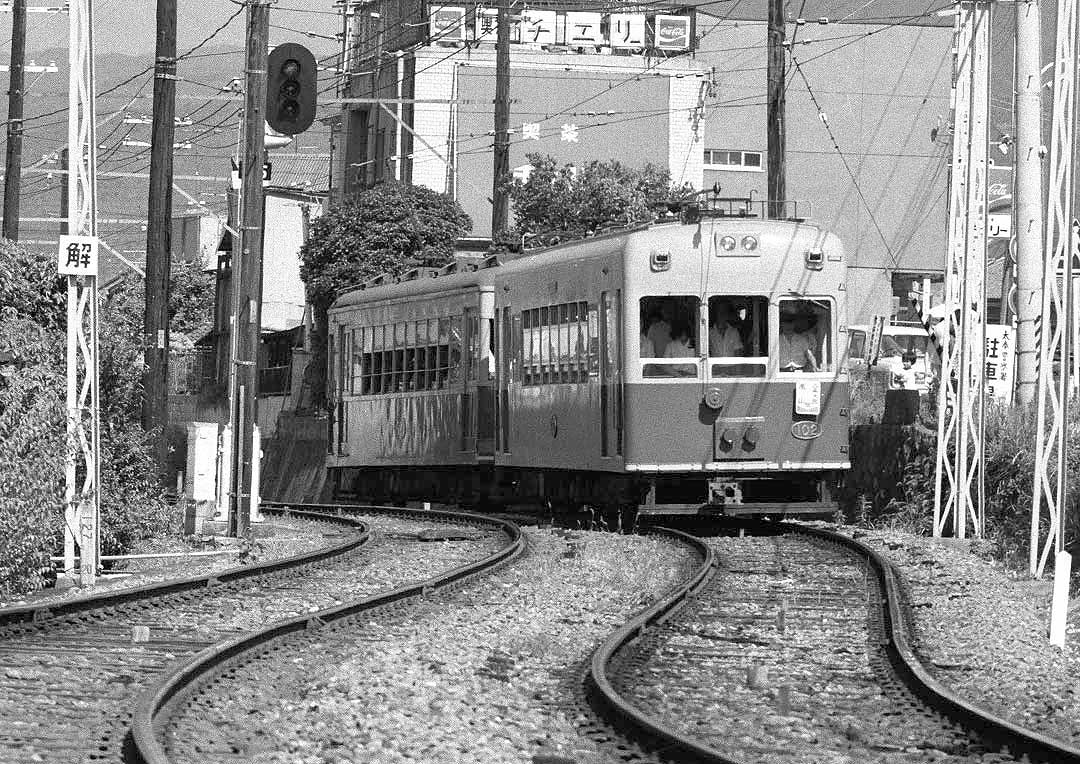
[805, 335]
[407, 356]
[555, 344]
[738, 330]
[669, 330]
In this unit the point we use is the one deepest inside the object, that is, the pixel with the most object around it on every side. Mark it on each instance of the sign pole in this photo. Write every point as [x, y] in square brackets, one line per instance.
[77, 259]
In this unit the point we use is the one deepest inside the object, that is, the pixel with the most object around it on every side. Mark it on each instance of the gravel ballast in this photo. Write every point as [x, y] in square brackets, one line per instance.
[476, 674]
[985, 633]
[275, 538]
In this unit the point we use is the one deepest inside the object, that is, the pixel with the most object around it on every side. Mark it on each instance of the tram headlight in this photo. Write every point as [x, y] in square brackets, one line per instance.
[727, 243]
[749, 243]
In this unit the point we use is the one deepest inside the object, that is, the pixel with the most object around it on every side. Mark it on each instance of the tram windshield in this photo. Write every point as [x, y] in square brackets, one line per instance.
[738, 335]
[804, 341]
[668, 332]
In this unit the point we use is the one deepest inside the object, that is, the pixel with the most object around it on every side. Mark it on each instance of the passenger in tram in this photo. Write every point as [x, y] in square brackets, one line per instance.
[647, 349]
[797, 343]
[659, 328]
[680, 345]
[725, 339]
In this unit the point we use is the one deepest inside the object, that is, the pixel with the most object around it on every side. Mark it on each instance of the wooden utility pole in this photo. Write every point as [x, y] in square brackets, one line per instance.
[13, 172]
[500, 198]
[776, 187]
[159, 234]
[246, 279]
[1027, 198]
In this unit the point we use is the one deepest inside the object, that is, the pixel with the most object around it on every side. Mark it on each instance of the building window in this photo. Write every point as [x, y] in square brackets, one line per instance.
[728, 159]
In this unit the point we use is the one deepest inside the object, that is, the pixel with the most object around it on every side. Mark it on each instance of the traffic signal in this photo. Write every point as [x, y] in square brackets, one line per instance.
[290, 88]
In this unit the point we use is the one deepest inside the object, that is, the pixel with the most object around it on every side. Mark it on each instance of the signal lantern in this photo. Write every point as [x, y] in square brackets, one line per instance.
[291, 83]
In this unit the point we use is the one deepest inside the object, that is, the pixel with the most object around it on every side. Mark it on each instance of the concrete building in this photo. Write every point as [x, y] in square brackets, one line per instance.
[427, 112]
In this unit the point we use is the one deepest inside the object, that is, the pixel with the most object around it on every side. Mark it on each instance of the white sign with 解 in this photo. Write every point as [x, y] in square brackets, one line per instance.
[78, 256]
[999, 357]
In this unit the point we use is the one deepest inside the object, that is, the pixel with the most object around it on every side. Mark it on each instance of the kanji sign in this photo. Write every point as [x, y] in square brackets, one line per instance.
[78, 256]
[998, 360]
[530, 131]
[569, 133]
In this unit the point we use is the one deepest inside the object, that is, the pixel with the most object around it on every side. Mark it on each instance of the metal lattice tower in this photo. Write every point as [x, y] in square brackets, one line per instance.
[958, 483]
[1049, 493]
[83, 467]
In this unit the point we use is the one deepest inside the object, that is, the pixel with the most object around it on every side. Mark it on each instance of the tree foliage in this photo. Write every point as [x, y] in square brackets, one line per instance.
[33, 437]
[191, 298]
[569, 202]
[386, 229]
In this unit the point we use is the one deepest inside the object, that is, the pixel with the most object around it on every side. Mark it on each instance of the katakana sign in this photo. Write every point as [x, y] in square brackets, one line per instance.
[78, 256]
[583, 29]
[626, 30]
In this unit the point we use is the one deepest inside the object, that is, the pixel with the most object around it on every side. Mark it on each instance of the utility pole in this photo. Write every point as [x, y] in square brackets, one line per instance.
[1027, 198]
[959, 486]
[13, 171]
[500, 199]
[776, 186]
[159, 234]
[246, 279]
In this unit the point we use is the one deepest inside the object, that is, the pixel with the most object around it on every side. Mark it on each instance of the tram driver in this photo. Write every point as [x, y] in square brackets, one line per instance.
[797, 341]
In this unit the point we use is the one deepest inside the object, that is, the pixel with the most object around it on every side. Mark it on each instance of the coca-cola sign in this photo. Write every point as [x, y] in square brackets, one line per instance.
[671, 32]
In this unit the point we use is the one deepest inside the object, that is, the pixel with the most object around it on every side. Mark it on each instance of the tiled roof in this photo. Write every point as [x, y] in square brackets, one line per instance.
[302, 172]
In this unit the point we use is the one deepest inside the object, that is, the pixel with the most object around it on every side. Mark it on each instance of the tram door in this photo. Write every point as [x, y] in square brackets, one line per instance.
[339, 386]
[504, 350]
[611, 423]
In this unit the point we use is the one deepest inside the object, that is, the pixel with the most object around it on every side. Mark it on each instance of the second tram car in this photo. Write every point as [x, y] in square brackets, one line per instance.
[672, 368]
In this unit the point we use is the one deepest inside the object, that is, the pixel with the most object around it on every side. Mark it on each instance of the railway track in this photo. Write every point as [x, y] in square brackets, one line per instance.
[171, 718]
[792, 647]
[70, 673]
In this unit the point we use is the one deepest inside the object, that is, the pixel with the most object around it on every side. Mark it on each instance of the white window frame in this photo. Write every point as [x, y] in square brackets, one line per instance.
[742, 167]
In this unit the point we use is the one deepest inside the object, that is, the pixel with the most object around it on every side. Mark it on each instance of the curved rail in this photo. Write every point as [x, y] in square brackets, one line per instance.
[682, 747]
[34, 614]
[156, 699]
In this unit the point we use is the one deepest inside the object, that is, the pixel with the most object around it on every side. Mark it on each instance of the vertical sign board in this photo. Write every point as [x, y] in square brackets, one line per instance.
[874, 348]
[999, 359]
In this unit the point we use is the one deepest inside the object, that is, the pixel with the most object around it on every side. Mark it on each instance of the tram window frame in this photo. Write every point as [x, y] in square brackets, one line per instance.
[418, 355]
[675, 310]
[817, 307]
[555, 346]
[753, 328]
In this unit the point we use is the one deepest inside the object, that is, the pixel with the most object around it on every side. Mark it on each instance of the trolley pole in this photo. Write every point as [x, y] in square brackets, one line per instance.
[1027, 199]
[246, 280]
[159, 233]
[13, 172]
[500, 199]
[776, 188]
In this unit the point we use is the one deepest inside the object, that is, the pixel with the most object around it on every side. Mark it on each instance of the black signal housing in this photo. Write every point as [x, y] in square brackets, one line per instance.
[291, 85]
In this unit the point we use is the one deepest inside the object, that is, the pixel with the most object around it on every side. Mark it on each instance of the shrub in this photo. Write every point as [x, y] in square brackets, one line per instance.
[33, 426]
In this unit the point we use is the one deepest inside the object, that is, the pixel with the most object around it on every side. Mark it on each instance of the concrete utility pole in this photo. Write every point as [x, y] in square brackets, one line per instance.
[246, 279]
[13, 167]
[63, 191]
[1027, 198]
[500, 198]
[159, 233]
[776, 186]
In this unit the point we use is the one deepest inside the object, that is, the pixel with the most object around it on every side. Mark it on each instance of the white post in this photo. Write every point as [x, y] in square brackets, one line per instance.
[1059, 609]
[224, 474]
[256, 472]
